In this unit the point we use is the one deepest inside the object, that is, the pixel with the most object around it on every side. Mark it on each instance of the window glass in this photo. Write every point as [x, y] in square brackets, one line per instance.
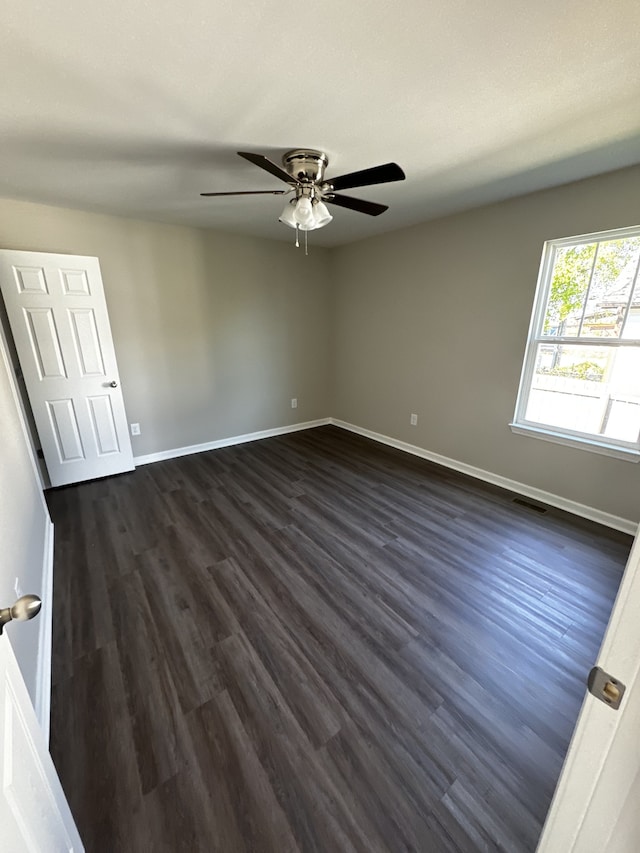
[587, 389]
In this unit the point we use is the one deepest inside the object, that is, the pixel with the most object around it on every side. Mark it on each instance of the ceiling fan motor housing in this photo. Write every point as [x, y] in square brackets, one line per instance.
[305, 164]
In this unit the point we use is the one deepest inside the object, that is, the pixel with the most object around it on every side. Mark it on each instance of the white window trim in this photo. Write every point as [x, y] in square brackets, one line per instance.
[627, 451]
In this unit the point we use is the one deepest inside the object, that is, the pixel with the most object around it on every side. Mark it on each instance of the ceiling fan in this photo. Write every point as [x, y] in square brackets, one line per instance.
[304, 173]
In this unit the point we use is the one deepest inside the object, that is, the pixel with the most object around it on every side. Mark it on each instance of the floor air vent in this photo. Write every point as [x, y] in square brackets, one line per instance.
[527, 505]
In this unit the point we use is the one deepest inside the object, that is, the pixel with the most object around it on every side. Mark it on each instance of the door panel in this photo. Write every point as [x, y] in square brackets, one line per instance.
[90, 360]
[45, 344]
[75, 282]
[30, 279]
[104, 425]
[58, 316]
[66, 433]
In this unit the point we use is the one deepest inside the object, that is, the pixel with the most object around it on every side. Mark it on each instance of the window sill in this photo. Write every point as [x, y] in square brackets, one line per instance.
[604, 449]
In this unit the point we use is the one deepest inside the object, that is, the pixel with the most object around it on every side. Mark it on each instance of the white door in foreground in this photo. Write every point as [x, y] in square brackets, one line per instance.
[34, 814]
[595, 807]
[58, 316]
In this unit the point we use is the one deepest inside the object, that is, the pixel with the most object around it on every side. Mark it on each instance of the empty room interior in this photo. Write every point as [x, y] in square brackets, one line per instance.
[318, 465]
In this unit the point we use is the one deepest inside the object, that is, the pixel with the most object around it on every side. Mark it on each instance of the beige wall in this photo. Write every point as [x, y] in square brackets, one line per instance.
[434, 319]
[214, 334]
[23, 523]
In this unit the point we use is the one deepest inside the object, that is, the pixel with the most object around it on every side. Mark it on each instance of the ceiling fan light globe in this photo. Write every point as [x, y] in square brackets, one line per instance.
[304, 211]
[323, 217]
[288, 215]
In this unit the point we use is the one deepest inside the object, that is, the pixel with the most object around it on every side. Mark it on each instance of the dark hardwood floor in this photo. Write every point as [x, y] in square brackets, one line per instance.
[314, 643]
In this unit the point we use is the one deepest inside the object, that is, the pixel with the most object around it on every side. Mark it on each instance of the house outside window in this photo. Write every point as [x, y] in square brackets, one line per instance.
[580, 381]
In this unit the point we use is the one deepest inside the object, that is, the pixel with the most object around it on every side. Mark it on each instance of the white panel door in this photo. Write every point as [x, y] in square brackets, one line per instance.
[58, 316]
[595, 807]
[34, 814]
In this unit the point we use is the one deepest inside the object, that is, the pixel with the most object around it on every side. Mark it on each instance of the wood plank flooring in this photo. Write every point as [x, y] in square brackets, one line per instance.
[314, 643]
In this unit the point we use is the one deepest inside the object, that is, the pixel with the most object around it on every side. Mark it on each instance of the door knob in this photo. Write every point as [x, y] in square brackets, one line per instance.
[24, 608]
[113, 383]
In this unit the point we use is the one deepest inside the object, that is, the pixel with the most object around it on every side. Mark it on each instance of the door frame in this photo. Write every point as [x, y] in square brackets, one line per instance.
[45, 617]
[7, 346]
[32, 798]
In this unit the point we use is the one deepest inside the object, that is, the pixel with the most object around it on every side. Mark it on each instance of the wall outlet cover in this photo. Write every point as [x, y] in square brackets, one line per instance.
[294, 402]
[414, 420]
[135, 429]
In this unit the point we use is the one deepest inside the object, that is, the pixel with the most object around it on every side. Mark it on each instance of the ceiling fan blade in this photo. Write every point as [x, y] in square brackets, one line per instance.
[384, 174]
[252, 192]
[359, 204]
[268, 166]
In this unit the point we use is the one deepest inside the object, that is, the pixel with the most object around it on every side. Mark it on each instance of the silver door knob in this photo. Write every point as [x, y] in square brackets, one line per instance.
[24, 608]
[113, 383]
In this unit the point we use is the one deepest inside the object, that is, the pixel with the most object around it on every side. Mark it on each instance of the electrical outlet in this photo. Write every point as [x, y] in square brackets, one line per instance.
[414, 420]
[135, 429]
[294, 402]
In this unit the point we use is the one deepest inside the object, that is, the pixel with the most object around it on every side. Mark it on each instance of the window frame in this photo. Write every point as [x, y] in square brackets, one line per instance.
[617, 448]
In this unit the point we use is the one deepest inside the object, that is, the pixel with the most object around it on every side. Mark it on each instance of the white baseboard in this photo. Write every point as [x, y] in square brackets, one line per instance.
[588, 512]
[43, 686]
[226, 442]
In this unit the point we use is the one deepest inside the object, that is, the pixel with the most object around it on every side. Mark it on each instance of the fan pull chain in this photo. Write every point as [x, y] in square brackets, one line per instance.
[306, 242]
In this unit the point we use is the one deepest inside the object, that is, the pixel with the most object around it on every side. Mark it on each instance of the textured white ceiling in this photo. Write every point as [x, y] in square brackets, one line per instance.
[136, 107]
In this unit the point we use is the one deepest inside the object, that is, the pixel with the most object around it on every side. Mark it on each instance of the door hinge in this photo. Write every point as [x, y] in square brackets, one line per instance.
[605, 687]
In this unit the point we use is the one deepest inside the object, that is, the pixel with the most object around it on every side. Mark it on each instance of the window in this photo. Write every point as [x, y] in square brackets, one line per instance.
[580, 381]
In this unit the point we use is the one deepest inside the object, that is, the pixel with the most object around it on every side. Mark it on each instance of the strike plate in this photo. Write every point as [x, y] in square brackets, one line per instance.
[605, 687]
